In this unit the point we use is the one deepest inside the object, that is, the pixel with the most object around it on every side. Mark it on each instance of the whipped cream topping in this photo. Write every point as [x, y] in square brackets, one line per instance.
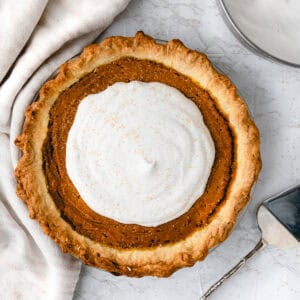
[139, 153]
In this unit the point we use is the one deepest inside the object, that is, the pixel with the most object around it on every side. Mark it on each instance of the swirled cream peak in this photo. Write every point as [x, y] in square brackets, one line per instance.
[139, 153]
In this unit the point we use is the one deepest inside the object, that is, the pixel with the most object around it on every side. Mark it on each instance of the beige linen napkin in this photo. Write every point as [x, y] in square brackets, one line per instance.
[36, 36]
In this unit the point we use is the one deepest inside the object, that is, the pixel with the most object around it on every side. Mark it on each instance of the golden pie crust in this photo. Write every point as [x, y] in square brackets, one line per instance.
[160, 258]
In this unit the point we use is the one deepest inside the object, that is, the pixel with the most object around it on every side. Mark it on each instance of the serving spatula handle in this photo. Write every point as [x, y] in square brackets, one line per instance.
[242, 262]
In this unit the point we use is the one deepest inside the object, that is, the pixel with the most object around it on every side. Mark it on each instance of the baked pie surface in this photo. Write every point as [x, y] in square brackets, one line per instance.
[131, 249]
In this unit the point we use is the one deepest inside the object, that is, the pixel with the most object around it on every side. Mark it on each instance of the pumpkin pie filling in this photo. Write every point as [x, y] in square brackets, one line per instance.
[110, 232]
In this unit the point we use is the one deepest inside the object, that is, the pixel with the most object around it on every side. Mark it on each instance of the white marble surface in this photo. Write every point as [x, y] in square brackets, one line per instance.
[272, 92]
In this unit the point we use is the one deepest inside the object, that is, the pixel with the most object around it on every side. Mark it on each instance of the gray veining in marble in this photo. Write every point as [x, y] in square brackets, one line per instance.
[272, 92]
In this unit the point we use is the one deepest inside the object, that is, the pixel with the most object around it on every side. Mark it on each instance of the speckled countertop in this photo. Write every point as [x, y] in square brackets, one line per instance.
[272, 92]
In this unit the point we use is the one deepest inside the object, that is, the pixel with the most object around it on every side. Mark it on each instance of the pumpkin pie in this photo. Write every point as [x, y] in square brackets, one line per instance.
[138, 156]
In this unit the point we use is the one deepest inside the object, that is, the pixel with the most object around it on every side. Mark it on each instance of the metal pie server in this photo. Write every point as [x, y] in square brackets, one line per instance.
[278, 219]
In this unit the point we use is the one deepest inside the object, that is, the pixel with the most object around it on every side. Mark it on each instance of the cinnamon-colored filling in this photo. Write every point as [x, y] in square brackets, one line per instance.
[72, 206]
